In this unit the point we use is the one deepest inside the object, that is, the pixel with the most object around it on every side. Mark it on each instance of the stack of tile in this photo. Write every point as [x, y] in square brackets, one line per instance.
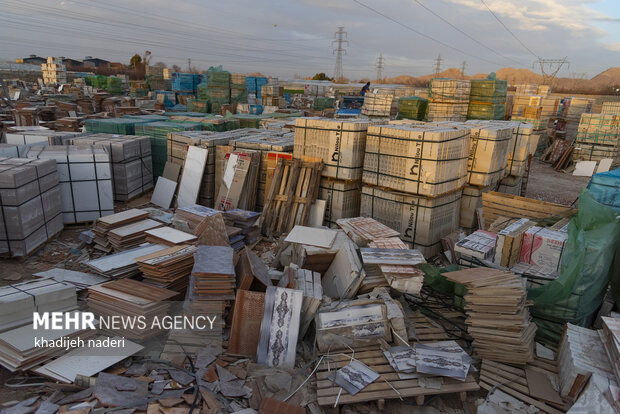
[85, 180]
[155, 77]
[413, 175]
[380, 105]
[241, 227]
[170, 236]
[242, 168]
[611, 108]
[130, 298]
[30, 205]
[18, 350]
[580, 355]
[130, 157]
[124, 126]
[122, 264]
[207, 223]
[238, 91]
[104, 224]
[576, 108]
[19, 301]
[611, 342]
[212, 282]
[54, 71]
[254, 85]
[218, 89]
[131, 235]
[38, 136]
[412, 107]
[487, 99]
[341, 146]
[526, 89]
[598, 137]
[169, 268]
[272, 95]
[535, 106]
[158, 131]
[449, 100]
[498, 318]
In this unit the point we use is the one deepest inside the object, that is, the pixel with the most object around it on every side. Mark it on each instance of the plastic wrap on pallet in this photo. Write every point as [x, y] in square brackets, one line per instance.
[412, 107]
[123, 126]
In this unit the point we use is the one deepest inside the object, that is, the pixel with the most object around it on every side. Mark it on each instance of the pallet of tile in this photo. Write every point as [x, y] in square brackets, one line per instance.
[169, 268]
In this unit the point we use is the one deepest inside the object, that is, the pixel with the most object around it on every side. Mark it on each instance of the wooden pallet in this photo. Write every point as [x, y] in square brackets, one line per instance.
[513, 381]
[295, 186]
[330, 394]
[496, 204]
[427, 330]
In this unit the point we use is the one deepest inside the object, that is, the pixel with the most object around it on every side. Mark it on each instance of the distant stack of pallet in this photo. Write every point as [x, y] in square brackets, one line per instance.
[155, 77]
[127, 297]
[576, 108]
[123, 126]
[158, 131]
[238, 91]
[218, 89]
[413, 176]
[598, 137]
[273, 95]
[341, 146]
[169, 268]
[487, 99]
[380, 105]
[526, 89]
[36, 136]
[104, 224]
[54, 71]
[254, 85]
[449, 100]
[30, 205]
[611, 108]
[497, 316]
[412, 107]
[85, 180]
[130, 157]
[580, 355]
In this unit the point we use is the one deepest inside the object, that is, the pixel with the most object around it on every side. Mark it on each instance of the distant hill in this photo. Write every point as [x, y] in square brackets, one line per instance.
[602, 83]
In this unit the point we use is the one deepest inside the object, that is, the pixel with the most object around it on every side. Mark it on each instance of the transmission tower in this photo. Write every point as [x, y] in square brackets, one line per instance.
[463, 66]
[380, 63]
[549, 68]
[438, 65]
[339, 43]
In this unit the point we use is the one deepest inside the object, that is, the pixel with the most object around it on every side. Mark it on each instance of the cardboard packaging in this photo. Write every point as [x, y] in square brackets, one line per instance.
[480, 245]
[543, 247]
[509, 240]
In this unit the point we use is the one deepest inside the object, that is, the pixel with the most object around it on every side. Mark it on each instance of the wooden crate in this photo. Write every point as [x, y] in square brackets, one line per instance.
[496, 204]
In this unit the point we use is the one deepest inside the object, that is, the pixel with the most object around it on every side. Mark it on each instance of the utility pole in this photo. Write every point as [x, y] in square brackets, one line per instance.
[463, 66]
[438, 65]
[189, 65]
[380, 62]
[340, 42]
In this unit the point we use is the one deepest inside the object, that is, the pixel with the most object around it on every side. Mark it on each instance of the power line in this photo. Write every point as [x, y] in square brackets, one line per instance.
[423, 34]
[509, 31]
[380, 67]
[340, 41]
[464, 33]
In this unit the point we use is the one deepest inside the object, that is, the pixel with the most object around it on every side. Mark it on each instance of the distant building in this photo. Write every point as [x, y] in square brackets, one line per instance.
[73, 63]
[91, 62]
[32, 60]
[116, 65]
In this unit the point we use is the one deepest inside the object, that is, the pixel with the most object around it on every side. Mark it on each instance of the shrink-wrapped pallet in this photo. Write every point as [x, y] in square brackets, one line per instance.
[471, 201]
[342, 199]
[417, 159]
[340, 145]
[382, 105]
[598, 137]
[421, 221]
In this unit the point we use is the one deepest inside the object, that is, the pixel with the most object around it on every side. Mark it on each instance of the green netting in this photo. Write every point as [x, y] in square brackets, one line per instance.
[238, 95]
[481, 110]
[412, 107]
[149, 118]
[139, 93]
[433, 278]
[487, 98]
[198, 105]
[123, 126]
[114, 85]
[218, 77]
[248, 120]
[158, 131]
[201, 91]
[321, 103]
[585, 271]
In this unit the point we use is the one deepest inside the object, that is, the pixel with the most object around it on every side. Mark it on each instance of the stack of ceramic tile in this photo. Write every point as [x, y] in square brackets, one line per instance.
[449, 100]
[131, 235]
[38, 136]
[18, 350]
[169, 236]
[611, 108]
[241, 227]
[598, 137]
[580, 355]
[576, 108]
[169, 268]
[54, 71]
[272, 95]
[611, 340]
[380, 105]
[212, 282]
[19, 301]
[122, 264]
[130, 298]
[241, 190]
[526, 89]
[405, 277]
[498, 318]
[412, 179]
[30, 204]
[131, 161]
[178, 143]
[85, 179]
[104, 224]
[204, 222]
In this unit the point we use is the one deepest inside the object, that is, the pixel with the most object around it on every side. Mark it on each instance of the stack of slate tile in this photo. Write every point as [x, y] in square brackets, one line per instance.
[104, 224]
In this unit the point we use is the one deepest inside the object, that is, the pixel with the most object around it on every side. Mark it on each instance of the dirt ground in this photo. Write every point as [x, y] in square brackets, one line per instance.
[557, 187]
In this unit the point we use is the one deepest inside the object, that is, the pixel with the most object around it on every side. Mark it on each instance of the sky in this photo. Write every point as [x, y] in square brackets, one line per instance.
[285, 38]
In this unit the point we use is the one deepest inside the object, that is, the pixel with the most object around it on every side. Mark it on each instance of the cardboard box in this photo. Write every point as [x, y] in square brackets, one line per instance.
[480, 245]
[543, 247]
[509, 240]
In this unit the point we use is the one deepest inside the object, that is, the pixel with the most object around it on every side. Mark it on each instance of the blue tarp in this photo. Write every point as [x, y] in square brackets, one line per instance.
[605, 188]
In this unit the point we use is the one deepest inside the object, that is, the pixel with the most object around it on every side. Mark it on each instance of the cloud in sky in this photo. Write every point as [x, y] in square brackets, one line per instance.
[283, 37]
